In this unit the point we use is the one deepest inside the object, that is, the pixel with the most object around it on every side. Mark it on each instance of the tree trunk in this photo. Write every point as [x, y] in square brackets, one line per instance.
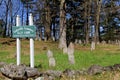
[6, 18]
[22, 14]
[97, 20]
[48, 21]
[87, 24]
[62, 40]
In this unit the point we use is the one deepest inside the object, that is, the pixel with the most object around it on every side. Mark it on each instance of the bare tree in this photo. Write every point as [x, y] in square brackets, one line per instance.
[8, 12]
[1, 2]
[13, 11]
[7, 4]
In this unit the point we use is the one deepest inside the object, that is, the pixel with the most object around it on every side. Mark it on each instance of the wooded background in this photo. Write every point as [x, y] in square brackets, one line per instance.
[64, 20]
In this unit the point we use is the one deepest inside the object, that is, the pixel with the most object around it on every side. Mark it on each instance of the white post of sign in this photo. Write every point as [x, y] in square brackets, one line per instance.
[31, 44]
[18, 41]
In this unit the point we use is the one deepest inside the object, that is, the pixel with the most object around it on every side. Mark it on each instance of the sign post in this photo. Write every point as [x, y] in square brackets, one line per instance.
[31, 44]
[18, 41]
[24, 32]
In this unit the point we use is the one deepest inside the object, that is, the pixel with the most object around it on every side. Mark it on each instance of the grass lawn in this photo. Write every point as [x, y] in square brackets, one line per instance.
[104, 55]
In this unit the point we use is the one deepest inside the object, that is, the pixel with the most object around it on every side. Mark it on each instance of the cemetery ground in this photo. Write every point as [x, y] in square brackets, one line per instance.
[104, 55]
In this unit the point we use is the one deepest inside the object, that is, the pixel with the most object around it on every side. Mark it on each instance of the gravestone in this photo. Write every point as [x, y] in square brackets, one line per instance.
[52, 62]
[65, 49]
[51, 59]
[103, 42]
[49, 54]
[109, 42]
[71, 53]
[76, 41]
[119, 43]
[45, 39]
[80, 42]
[116, 42]
[71, 59]
[92, 45]
[53, 38]
[70, 48]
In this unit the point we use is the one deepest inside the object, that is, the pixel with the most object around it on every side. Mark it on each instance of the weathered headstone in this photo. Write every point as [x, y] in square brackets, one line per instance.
[103, 42]
[70, 49]
[51, 59]
[76, 41]
[52, 62]
[109, 41]
[92, 45]
[98, 42]
[53, 38]
[71, 53]
[45, 39]
[39, 39]
[71, 59]
[80, 42]
[49, 54]
[65, 49]
[119, 43]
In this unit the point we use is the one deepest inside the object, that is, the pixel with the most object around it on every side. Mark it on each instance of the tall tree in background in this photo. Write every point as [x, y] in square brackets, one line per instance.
[27, 5]
[111, 19]
[87, 16]
[82, 14]
[1, 2]
[62, 40]
[12, 14]
[97, 8]
[8, 12]
[47, 17]
[1, 27]
[7, 5]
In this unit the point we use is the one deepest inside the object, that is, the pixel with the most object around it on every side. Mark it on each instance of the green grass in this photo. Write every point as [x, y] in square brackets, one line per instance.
[83, 58]
[104, 55]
